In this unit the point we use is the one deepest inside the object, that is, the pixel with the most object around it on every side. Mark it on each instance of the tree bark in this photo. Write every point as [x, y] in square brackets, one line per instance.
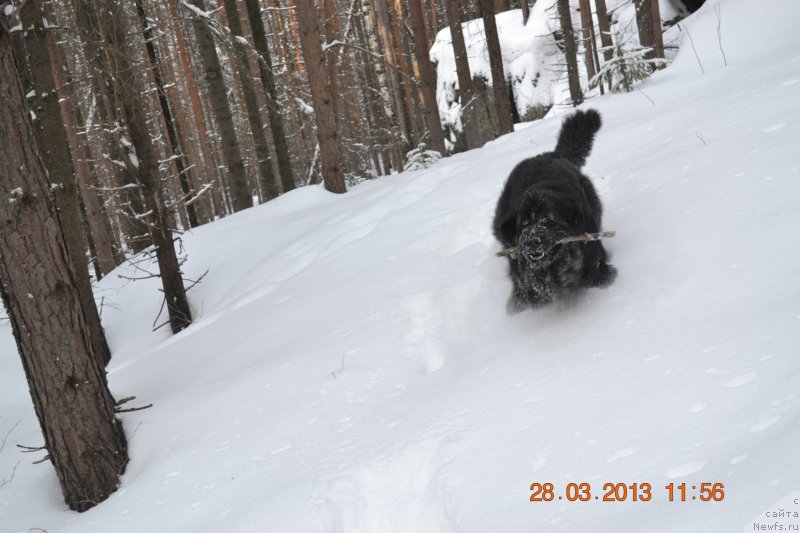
[241, 193]
[588, 42]
[658, 36]
[526, 11]
[570, 52]
[52, 137]
[605, 29]
[169, 122]
[505, 119]
[466, 91]
[129, 91]
[268, 81]
[84, 439]
[134, 229]
[324, 112]
[427, 76]
[269, 186]
[648, 21]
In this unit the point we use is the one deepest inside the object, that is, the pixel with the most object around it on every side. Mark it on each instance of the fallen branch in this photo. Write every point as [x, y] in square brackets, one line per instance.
[586, 237]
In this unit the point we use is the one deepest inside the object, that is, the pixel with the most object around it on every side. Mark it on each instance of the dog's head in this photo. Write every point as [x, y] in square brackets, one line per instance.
[541, 221]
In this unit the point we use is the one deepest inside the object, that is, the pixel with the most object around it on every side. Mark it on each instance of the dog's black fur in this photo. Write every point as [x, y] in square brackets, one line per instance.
[545, 199]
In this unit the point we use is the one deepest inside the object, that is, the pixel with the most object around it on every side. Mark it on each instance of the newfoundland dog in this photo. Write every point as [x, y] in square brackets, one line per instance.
[545, 200]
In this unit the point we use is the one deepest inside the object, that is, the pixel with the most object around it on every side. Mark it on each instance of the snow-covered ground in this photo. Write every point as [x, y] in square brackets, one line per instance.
[351, 367]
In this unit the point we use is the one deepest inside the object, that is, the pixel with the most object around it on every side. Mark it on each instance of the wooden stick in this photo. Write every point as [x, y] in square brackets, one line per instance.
[585, 237]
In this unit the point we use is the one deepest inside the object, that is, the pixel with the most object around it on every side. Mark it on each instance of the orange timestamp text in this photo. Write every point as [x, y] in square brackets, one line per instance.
[622, 492]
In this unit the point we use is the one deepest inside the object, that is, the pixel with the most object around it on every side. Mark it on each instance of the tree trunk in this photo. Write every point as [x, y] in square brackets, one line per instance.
[316, 68]
[375, 63]
[212, 170]
[241, 63]
[648, 21]
[134, 229]
[466, 91]
[501, 95]
[268, 81]
[500, 6]
[658, 36]
[84, 439]
[588, 42]
[52, 137]
[241, 192]
[427, 76]
[605, 29]
[570, 52]
[390, 54]
[129, 92]
[526, 11]
[169, 122]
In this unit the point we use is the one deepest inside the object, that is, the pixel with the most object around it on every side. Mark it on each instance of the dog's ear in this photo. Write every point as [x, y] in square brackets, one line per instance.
[508, 230]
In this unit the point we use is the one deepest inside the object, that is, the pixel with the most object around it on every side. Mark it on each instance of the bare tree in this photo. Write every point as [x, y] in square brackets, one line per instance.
[170, 124]
[427, 75]
[570, 52]
[648, 21]
[588, 41]
[324, 110]
[241, 192]
[268, 81]
[84, 440]
[51, 135]
[129, 91]
[505, 119]
[466, 91]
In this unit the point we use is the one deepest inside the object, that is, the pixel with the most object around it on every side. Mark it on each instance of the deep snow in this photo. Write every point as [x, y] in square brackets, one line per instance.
[351, 366]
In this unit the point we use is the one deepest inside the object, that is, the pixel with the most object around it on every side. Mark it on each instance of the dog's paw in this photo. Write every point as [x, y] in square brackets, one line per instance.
[602, 276]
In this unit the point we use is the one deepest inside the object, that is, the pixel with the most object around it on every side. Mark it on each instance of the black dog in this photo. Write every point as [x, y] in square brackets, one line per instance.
[545, 199]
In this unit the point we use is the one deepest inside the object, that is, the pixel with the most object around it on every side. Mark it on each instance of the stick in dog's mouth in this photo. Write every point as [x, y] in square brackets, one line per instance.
[585, 237]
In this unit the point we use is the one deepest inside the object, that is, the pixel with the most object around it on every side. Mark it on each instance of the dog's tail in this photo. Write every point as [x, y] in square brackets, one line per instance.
[577, 135]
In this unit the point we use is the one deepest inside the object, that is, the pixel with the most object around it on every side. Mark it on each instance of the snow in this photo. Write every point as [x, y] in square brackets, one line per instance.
[532, 62]
[351, 367]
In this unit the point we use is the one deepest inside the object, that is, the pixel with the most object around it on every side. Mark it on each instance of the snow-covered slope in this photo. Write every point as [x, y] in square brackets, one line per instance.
[352, 368]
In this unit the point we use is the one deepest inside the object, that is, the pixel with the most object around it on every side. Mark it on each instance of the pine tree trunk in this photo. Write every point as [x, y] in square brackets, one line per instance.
[269, 186]
[588, 42]
[84, 439]
[658, 36]
[501, 95]
[382, 79]
[241, 192]
[129, 92]
[324, 112]
[466, 91]
[570, 52]
[427, 76]
[52, 137]
[268, 81]
[169, 122]
[134, 229]
[410, 98]
[605, 29]
[212, 170]
[648, 20]
[385, 33]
